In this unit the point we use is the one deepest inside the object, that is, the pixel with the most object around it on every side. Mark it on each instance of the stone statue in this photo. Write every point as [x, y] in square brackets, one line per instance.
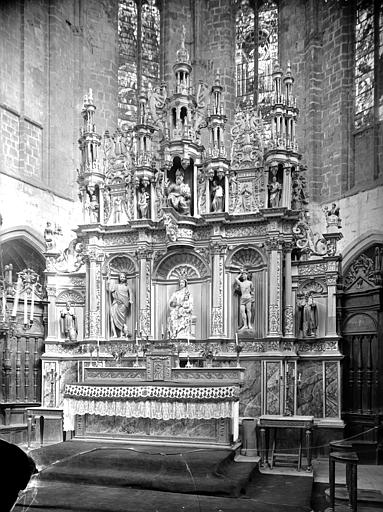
[121, 300]
[274, 192]
[333, 220]
[143, 202]
[49, 237]
[93, 208]
[179, 194]
[218, 195]
[69, 322]
[180, 312]
[117, 209]
[308, 316]
[246, 289]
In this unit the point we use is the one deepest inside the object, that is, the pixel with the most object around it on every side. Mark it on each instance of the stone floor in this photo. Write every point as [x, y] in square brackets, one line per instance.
[188, 481]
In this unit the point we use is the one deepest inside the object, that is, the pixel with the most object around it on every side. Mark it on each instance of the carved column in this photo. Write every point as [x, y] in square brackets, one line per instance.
[331, 280]
[144, 295]
[288, 324]
[217, 316]
[286, 190]
[274, 247]
[94, 297]
[53, 322]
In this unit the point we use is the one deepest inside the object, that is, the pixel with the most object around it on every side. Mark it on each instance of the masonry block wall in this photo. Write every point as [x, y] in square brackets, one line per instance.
[53, 51]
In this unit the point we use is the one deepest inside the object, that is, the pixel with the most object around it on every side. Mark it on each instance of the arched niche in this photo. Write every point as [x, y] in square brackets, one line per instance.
[253, 261]
[189, 266]
[113, 267]
[77, 302]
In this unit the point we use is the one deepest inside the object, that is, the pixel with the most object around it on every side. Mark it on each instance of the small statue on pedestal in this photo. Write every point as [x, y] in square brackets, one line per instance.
[143, 202]
[218, 195]
[246, 289]
[69, 322]
[180, 312]
[121, 300]
[308, 316]
[275, 189]
[179, 194]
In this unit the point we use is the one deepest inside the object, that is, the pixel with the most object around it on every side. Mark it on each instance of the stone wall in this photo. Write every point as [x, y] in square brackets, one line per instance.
[53, 52]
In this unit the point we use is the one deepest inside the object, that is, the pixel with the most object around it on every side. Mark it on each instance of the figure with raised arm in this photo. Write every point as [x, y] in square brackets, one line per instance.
[246, 288]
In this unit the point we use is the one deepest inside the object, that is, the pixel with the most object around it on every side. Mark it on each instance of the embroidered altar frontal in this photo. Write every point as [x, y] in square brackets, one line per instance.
[188, 413]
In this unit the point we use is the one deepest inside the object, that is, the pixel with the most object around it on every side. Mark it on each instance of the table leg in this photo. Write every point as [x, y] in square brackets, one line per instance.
[263, 445]
[41, 430]
[29, 429]
[331, 471]
[308, 448]
[354, 487]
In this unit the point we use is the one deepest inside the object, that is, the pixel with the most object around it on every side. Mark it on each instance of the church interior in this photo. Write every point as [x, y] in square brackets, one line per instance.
[191, 253]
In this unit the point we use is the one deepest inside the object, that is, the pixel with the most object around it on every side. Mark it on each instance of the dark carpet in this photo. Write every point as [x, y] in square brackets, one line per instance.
[106, 477]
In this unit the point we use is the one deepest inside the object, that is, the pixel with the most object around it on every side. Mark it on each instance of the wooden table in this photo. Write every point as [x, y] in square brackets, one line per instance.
[271, 422]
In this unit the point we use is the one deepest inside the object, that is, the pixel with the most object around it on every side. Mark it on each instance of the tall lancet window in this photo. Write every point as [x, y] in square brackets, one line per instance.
[255, 56]
[139, 46]
[368, 81]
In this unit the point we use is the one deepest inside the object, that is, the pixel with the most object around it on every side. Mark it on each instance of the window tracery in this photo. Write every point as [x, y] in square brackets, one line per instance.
[367, 66]
[139, 47]
[254, 75]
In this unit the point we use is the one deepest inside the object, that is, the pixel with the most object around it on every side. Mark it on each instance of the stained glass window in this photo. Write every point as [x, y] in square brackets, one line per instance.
[364, 64]
[254, 77]
[131, 50]
[267, 50]
[368, 63]
[150, 44]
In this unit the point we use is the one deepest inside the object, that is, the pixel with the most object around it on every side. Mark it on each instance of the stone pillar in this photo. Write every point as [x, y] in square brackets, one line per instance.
[53, 322]
[143, 298]
[217, 315]
[288, 324]
[266, 172]
[286, 190]
[274, 246]
[94, 297]
[331, 280]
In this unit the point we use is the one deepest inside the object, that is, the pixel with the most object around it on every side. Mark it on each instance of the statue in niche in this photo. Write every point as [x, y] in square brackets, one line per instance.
[69, 322]
[179, 194]
[117, 209]
[218, 195]
[180, 312]
[143, 202]
[120, 305]
[244, 286]
[92, 206]
[308, 316]
[275, 189]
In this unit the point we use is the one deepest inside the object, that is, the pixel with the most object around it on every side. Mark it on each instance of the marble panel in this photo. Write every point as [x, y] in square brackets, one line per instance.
[331, 390]
[310, 391]
[250, 394]
[184, 428]
[273, 387]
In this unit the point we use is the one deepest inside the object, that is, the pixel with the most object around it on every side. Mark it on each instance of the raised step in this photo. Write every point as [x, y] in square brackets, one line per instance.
[182, 469]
